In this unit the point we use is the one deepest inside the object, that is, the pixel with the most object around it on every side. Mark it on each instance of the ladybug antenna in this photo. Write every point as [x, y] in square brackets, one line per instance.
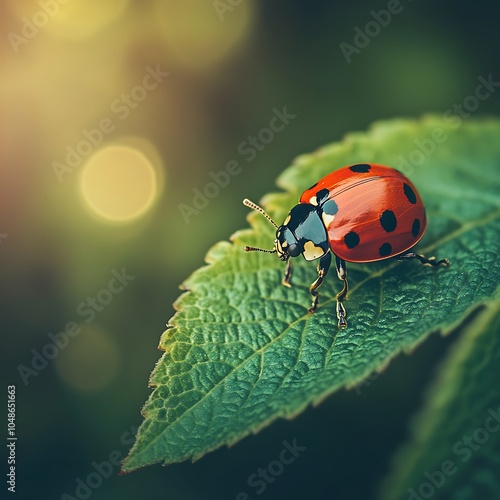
[253, 206]
[256, 207]
[255, 249]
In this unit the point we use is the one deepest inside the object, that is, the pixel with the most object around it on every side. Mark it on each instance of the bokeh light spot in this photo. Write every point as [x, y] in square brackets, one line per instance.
[150, 151]
[200, 35]
[119, 183]
[90, 361]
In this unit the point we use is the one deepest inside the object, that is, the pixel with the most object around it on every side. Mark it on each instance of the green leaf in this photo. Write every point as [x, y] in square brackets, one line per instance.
[454, 451]
[242, 350]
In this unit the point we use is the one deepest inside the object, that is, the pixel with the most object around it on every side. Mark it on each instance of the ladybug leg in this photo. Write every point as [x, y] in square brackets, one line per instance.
[342, 274]
[323, 266]
[288, 274]
[431, 261]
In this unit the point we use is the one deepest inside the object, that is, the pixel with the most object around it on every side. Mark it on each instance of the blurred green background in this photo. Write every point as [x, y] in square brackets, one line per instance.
[69, 68]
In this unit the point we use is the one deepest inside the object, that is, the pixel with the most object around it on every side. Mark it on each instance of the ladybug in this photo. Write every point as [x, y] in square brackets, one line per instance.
[360, 213]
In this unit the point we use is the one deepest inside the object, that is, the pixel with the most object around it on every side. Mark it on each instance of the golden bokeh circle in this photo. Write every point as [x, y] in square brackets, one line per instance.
[119, 183]
[200, 34]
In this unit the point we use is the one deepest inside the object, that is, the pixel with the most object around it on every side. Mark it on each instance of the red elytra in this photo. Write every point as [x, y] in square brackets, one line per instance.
[380, 212]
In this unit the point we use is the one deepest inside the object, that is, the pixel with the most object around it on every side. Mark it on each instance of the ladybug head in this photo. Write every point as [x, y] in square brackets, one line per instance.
[286, 244]
[302, 233]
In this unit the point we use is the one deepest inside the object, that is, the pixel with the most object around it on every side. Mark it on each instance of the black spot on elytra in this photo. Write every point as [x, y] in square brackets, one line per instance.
[360, 168]
[322, 194]
[385, 250]
[312, 187]
[415, 228]
[330, 207]
[410, 194]
[388, 221]
[351, 239]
